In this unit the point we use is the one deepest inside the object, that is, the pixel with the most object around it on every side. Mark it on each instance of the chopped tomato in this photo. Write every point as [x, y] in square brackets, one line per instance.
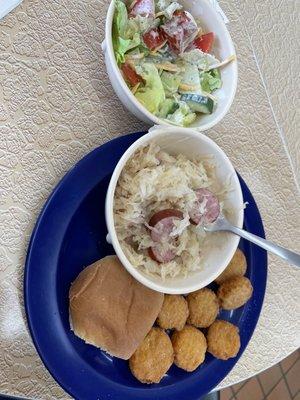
[180, 30]
[204, 42]
[143, 7]
[153, 38]
[130, 75]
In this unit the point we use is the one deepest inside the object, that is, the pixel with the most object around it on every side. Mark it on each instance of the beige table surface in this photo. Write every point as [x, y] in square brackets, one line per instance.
[56, 104]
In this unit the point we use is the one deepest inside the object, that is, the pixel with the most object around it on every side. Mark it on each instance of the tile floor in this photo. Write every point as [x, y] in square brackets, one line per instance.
[281, 382]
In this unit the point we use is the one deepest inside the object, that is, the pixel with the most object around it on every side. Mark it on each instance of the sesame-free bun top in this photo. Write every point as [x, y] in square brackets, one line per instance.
[110, 309]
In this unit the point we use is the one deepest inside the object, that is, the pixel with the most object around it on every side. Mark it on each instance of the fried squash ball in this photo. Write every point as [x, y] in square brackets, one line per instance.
[234, 293]
[189, 346]
[236, 267]
[174, 312]
[203, 307]
[153, 357]
[223, 340]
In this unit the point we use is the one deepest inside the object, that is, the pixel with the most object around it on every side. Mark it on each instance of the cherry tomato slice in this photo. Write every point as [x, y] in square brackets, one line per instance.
[130, 75]
[143, 7]
[204, 42]
[180, 30]
[153, 38]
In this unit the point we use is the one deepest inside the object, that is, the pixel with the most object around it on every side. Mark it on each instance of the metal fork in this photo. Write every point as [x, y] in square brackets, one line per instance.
[222, 224]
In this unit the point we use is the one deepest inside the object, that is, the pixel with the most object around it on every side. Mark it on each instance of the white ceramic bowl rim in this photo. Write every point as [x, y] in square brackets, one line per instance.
[135, 272]
[108, 47]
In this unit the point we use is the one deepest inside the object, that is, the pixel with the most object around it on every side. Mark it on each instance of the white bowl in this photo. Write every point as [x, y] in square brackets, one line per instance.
[223, 47]
[190, 143]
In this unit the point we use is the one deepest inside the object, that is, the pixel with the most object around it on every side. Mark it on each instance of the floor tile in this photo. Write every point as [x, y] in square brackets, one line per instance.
[226, 394]
[280, 392]
[289, 361]
[251, 391]
[297, 397]
[238, 386]
[293, 378]
[270, 378]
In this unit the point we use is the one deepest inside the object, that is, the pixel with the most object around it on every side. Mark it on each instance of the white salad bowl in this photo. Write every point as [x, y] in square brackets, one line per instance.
[223, 48]
[191, 144]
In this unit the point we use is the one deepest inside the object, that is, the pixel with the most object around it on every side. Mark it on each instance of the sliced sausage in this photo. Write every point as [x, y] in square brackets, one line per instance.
[160, 255]
[206, 208]
[163, 224]
[145, 8]
[168, 212]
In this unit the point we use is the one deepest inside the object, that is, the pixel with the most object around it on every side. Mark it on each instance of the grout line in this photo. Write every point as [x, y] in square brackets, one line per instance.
[279, 129]
[233, 395]
[236, 392]
[291, 365]
[261, 386]
[296, 394]
[285, 380]
[274, 386]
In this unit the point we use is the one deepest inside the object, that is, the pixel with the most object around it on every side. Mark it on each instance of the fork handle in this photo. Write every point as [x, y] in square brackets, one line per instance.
[280, 251]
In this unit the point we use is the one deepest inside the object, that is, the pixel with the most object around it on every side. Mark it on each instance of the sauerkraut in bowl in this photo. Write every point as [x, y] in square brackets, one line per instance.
[165, 188]
[155, 183]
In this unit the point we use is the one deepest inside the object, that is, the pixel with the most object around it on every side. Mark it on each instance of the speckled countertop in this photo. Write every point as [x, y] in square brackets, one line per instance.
[56, 105]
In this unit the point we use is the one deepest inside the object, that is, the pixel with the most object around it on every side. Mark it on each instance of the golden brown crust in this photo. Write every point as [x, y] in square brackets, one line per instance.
[203, 307]
[236, 267]
[235, 292]
[223, 340]
[174, 312]
[110, 309]
[153, 357]
[189, 346]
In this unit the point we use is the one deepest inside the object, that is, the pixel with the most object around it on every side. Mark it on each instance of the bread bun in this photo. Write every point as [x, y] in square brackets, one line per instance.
[110, 309]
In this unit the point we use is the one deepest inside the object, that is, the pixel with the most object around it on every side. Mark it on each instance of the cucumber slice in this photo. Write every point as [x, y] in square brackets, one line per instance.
[198, 103]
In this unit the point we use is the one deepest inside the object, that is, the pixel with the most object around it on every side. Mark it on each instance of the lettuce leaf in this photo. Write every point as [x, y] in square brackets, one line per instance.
[211, 80]
[124, 37]
[152, 94]
[161, 5]
[167, 107]
[170, 82]
[120, 21]
[142, 24]
[190, 82]
[199, 58]
[123, 45]
[169, 11]
[182, 116]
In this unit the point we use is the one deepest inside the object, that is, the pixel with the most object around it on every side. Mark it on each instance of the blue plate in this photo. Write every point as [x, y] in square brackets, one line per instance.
[69, 235]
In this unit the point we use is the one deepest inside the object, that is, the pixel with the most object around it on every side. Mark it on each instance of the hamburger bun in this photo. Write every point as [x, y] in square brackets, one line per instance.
[110, 309]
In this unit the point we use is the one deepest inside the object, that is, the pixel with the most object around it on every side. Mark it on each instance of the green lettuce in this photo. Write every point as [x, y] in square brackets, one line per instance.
[190, 82]
[167, 107]
[211, 80]
[170, 82]
[197, 57]
[124, 36]
[182, 116]
[120, 20]
[152, 94]
[124, 45]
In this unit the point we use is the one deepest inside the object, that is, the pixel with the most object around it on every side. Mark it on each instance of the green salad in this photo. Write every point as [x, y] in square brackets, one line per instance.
[164, 57]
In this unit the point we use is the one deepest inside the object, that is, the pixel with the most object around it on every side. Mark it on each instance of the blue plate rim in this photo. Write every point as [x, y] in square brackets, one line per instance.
[258, 229]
